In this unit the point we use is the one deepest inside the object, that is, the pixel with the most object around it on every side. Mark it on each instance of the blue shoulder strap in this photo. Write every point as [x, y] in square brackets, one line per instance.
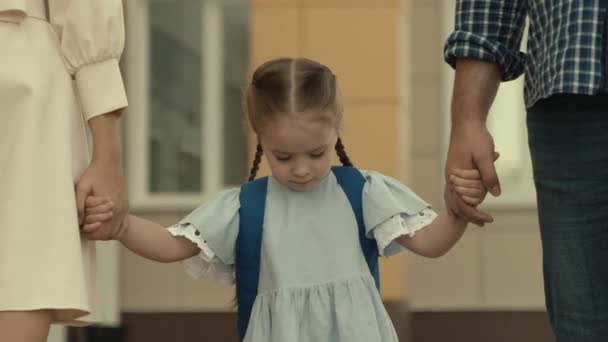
[248, 248]
[352, 182]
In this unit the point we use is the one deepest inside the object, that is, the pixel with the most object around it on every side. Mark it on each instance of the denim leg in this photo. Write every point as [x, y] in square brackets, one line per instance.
[568, 142]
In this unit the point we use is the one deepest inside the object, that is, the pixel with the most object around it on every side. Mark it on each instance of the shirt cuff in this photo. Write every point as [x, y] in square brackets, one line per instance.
[462, 44]
[100, 88]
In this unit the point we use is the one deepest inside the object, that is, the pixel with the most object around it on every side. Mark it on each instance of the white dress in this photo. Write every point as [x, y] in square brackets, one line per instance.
[58, 68]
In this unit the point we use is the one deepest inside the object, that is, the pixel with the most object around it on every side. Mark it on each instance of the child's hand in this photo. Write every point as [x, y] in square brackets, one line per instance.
[468, 185]
[97, 211]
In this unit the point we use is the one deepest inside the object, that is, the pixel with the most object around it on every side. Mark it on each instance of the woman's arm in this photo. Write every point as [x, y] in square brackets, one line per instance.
[104, 177]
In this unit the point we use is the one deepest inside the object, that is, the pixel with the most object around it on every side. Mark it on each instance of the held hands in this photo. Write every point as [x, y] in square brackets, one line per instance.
[102, 179]
[99, 210]
[468, 184]
[471, 147]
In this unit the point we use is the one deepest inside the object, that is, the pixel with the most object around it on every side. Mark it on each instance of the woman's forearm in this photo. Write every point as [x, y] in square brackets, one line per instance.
[106, 138]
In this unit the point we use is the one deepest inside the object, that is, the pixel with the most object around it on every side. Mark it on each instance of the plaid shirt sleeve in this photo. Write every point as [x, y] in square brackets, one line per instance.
[489, 30]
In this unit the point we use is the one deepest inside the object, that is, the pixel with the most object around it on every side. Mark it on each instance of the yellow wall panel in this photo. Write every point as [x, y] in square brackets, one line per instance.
[274, 3]
[392, 275]
[371, 137]
[274, 33]
[360, 45]
[351, 3]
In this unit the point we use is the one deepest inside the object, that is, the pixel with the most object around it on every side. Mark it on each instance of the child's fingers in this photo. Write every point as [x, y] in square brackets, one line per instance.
[90, 227]
[473, 201]
[470, 192]
[93, 201]
[467, 173]
[467, 183]
[100, 209]
[98, 217]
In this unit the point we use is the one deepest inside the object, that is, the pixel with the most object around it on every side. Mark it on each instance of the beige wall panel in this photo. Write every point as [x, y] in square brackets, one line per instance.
[427, 52]
[449, 282]
[427, 179]
[148, 285]
[513, 262]
[425, 118]
[208, 295]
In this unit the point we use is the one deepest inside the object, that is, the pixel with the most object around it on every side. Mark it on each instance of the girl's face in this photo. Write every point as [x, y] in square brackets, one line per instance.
[299, 149]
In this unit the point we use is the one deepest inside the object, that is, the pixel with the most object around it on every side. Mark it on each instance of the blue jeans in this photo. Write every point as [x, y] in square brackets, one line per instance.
[568, 139]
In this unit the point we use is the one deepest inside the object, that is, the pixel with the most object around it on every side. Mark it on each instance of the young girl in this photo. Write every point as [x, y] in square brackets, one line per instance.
[313, 279]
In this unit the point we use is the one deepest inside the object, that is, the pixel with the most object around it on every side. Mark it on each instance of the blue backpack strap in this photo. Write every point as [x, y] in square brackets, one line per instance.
[352, 181]
[248, 248]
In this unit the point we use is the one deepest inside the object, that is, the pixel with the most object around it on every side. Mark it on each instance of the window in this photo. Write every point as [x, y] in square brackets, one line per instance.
[186, 65]
[507, 124]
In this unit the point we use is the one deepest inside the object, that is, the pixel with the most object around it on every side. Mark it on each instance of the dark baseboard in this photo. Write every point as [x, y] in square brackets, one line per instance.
[164, 327]
[411, 327]
[495, 326]
[191, 327]
[96, 334]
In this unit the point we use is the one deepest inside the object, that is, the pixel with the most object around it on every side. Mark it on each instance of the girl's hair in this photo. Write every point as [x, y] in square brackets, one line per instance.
[292, 86]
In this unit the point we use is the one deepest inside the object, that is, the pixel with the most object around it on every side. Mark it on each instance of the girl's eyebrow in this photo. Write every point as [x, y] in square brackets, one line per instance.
[318, 149]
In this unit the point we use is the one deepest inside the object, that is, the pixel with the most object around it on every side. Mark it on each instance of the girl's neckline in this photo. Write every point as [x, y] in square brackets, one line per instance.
[321, 183]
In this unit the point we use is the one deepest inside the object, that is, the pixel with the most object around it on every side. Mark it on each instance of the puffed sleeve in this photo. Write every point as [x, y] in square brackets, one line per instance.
[213, 227]
[391, 210]
[92, 39]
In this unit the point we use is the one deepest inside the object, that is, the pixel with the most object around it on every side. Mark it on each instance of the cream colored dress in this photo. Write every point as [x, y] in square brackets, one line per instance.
[58, 69]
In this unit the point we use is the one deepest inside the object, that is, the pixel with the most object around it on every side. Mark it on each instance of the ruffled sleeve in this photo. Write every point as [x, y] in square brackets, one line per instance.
[92, 39]
[205, 265]
[213, 227]
[391, 210]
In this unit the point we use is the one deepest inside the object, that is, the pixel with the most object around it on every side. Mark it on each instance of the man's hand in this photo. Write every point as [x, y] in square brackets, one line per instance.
[471, 147]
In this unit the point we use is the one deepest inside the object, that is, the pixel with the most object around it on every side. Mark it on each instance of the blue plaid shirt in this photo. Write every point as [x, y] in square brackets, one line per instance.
[566, 43]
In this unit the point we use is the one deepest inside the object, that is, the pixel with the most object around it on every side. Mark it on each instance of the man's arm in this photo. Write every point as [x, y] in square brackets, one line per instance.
[471, 145]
